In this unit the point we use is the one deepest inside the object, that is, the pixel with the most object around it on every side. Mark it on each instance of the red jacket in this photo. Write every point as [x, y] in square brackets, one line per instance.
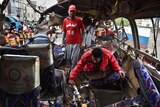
[86, 64]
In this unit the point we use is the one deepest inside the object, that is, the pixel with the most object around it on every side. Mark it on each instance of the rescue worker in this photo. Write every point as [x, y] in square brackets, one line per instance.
[95, 64]
[72, 37]
[90, 30]
[14, 40]
[6, 35]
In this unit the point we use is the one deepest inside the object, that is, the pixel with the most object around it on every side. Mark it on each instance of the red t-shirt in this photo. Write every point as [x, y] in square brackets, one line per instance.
[72, 29]
[109, 32]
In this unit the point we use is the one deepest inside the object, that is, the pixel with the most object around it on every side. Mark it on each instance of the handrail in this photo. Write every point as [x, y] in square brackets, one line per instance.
[154, 59]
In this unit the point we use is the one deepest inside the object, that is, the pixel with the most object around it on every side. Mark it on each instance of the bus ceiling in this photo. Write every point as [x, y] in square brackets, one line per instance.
[103, 9]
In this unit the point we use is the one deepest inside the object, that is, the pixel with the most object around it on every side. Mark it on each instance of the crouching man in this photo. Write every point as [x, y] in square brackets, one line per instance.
[95, 64]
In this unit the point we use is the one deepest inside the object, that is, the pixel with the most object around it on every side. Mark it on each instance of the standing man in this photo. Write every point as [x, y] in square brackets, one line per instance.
[72, 33]
[90, 29]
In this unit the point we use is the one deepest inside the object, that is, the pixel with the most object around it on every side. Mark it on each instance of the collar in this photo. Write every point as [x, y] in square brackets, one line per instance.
[71, 18]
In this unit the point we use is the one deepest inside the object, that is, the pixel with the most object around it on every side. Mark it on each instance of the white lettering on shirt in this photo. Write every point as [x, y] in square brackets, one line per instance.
[71, 25]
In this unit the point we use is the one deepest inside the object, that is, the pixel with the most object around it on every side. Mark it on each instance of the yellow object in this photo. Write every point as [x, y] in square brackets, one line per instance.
[84, 105]
[14, 40]
[23, 36]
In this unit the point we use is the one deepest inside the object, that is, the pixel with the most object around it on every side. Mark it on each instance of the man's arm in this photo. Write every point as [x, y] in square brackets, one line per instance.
[63, 38]
[63, 32]
[83, 33]
[114, 64]
[77, 69]
[83, 38]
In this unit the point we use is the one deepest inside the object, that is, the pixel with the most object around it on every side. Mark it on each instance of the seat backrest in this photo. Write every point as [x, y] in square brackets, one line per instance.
[59, 74]
[147, 85]
[44, 51]
[14, 51]
[19, 73]
[39, 39]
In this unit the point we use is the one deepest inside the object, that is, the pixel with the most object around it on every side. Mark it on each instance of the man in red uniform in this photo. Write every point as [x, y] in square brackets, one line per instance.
[95, 64]
[72, 32]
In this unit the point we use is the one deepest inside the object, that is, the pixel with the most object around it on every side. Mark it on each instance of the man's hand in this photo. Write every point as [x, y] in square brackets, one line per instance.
[71, 82]
[62, 45]
[82, 45]
[122, 74]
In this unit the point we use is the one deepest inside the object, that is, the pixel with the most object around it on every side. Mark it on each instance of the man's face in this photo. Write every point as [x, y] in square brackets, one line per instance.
[96, 60]
[72, 13]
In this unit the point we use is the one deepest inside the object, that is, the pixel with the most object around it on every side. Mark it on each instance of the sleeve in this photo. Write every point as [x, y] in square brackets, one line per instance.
[64, 25]
[113, 33]
[78, 68]
[81, 25]
[114, 63]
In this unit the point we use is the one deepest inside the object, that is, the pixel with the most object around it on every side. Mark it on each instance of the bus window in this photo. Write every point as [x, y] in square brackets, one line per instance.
[144, 32]
[146, 36]
[124, 31]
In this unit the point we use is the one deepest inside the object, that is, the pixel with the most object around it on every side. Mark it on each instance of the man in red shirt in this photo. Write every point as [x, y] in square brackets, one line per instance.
[72, 32]
[95, 64]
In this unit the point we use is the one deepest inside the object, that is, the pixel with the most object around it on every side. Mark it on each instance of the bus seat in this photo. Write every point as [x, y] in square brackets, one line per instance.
[19, 81]
[44, 51]
[147, 85]
[47, 73]
[59, 87]
[39, 39]
[40, 46]
[14, 51]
